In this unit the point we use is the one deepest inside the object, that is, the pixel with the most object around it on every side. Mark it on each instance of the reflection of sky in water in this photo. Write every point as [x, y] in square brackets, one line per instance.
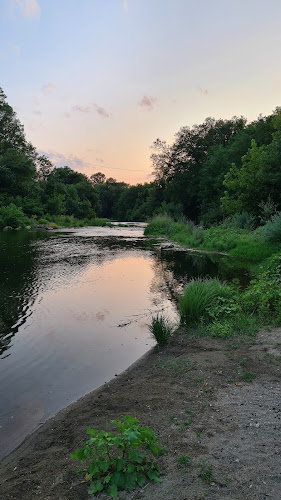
[86, 320]
[74, 312]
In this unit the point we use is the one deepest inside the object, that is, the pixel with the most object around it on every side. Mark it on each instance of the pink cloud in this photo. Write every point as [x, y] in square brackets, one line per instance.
[90, 108]
[147, 102]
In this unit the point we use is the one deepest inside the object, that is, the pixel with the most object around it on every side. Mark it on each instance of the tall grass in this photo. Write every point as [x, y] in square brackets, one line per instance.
[198, 297]
[161, 329]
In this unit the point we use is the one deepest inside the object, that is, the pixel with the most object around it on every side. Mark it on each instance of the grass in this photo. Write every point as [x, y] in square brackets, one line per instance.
[251, 246]
[183, 460]
[206, 473]
[198, 296]
[248, 377]
[161, 329]
[174, 366]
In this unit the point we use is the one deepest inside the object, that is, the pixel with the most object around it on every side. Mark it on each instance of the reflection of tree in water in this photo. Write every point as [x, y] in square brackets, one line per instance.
[18, 282]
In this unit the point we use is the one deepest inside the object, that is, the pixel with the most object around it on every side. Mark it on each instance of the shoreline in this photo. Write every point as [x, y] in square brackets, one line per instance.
[232, 425]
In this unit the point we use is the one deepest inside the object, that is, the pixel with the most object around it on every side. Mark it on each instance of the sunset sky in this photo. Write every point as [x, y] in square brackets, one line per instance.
[96, 82]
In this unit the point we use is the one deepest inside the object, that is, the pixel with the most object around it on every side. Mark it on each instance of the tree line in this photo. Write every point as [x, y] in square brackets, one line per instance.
[216, 169]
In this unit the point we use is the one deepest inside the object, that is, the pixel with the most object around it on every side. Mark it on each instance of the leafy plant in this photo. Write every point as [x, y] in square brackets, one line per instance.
[119, 461]
[161, 329]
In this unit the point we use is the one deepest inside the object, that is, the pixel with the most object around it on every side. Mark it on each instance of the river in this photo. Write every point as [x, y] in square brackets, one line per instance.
[74, 312]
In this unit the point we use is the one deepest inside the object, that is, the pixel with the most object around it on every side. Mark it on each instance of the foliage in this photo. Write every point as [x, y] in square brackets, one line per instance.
[243, 220]
[263, 295]
[198, 299]
[161, 329]
[159, 225]
[272, 229]
[267, 209]
[118, 461]
[12, 216]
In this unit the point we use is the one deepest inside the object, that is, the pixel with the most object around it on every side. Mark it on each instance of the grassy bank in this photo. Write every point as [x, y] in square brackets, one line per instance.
[254, 246]
[209, 307]
[13, 217]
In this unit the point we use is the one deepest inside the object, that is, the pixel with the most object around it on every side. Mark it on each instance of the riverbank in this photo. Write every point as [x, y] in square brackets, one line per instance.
[215, 401]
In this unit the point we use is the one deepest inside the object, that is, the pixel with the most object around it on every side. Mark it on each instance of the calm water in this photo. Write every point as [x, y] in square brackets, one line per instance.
[74, 310]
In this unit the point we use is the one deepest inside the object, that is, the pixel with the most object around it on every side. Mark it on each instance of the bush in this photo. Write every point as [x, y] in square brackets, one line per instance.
[199, 297]
[161, 329]
[263, 296]
[13, 216]
[118, 461]
[243, 221]
[159, 225]
[272, 229]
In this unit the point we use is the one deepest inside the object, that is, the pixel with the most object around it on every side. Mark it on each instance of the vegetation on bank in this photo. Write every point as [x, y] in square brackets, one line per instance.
[253, 245]
[208, 307]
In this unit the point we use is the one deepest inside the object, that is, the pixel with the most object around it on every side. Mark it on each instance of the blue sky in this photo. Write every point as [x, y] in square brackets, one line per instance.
[96, 82]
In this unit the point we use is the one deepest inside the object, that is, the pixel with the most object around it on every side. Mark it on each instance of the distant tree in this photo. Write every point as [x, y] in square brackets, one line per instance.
[97, 178]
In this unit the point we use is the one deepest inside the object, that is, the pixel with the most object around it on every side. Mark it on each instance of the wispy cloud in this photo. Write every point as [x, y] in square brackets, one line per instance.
[147, 102]
[48, 88]
[29, 8]
[125, 5]
[202, 91]
[61, 160]
[2, 55]
[37, 112]
[92, 108]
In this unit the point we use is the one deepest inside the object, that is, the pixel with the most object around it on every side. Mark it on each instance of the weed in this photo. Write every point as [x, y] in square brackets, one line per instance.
[183, 460]
[248, 377]
[242, 362]
[187, 411]
[187, 422]
[206, 473]
[118, 461]
[161, 329]
[229, 380]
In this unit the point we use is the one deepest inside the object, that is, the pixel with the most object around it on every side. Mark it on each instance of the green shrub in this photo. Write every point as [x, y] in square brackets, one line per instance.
[159, 225]
[263, 295]
[198, 298]
[119, 461]
[272, 229]
[243, 221]
[161, 329]
[13, 216]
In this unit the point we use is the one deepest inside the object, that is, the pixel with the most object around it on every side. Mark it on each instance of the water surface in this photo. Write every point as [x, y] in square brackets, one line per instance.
[74, 312]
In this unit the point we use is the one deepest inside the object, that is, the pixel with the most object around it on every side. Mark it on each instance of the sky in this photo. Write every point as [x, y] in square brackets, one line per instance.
[96, 82]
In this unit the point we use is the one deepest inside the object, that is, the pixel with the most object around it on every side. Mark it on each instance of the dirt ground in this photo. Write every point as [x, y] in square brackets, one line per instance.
[192, 394]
